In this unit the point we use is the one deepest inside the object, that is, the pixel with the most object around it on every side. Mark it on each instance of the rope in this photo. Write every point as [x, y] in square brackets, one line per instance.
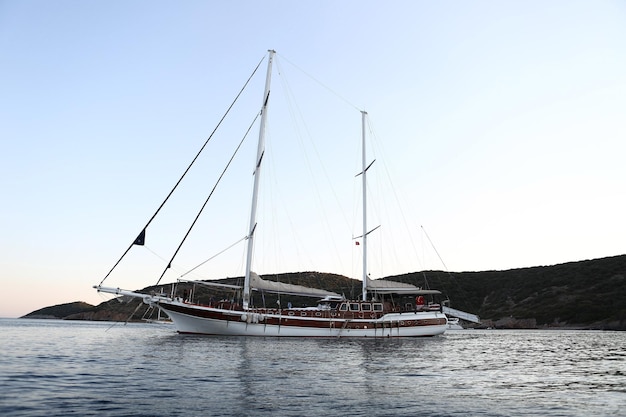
[435, 249]
[333, 92]
[304, 137]
[184, 173]
[213, 257]
[169, 264]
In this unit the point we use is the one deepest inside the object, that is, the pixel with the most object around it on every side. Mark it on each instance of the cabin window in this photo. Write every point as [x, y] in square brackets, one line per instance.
[366, 307]
[378, 307]
[354, 306]
[344, 307]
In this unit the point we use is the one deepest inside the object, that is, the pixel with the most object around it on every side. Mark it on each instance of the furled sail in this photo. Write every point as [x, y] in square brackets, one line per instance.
[382, 286]
[259, 283]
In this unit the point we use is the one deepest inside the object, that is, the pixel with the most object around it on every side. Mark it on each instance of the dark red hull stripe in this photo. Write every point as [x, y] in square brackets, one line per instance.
[304, 321]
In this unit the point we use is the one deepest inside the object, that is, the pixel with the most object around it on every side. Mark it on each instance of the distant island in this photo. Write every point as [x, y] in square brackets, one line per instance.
[588, 294]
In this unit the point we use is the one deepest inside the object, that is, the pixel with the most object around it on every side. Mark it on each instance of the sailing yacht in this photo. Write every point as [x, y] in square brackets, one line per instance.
[384, 309]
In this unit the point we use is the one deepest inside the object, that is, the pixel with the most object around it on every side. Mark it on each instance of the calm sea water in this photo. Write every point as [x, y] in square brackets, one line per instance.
[58, 368]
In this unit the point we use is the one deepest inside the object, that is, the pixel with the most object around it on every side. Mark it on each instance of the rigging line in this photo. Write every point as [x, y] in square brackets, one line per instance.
[159, 256]
[132, 314]
[115, 323]
[299, 124]
[155, 254]
[186, 170]
[435, 249]
[440, 258]
[296, 115]
[453, 280]
[322, 84]
[393, 189]
[169, 264]
[292, 109]
[214, 256]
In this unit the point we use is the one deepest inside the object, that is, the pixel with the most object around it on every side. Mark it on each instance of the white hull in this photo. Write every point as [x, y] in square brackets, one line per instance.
[193, 320]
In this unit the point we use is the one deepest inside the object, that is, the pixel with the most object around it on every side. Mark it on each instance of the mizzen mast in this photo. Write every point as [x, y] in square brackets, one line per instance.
[364, 162]
[365, 167]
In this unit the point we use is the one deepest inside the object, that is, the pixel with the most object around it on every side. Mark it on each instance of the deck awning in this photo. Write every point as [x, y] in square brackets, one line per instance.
[381, 286]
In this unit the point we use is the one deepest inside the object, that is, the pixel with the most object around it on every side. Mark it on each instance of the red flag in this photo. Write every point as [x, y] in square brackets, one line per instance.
[357, 243]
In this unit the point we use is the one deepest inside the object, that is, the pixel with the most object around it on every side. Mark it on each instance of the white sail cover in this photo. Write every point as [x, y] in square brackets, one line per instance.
[259, 283]
[382, 286]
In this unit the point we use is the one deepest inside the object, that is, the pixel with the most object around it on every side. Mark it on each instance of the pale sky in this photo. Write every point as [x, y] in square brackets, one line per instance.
[501, 123]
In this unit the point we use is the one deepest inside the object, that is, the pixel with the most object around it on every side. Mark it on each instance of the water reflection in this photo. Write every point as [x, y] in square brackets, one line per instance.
[58, 368]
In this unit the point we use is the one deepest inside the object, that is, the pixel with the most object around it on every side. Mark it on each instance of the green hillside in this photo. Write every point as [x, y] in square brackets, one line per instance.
[590, 294]
[586, 294]
[60, 311]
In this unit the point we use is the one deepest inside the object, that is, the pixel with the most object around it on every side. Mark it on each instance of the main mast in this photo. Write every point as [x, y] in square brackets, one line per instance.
[257, 174]
[364, 162]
